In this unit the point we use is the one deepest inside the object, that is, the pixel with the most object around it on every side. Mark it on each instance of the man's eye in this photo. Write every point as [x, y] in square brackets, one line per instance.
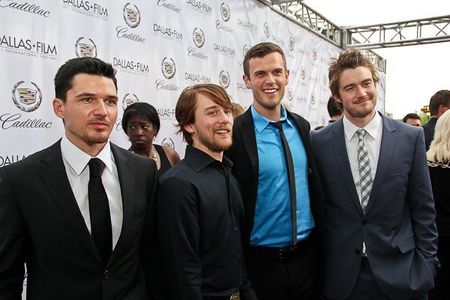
[86, 100]
[111, 101]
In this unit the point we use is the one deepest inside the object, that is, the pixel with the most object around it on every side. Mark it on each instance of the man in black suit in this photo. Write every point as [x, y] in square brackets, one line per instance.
[75, 247]
[439, 104]
[280, 242]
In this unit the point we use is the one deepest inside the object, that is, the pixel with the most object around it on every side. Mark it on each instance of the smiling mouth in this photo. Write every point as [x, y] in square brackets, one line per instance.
[222, 131]
[270, 91]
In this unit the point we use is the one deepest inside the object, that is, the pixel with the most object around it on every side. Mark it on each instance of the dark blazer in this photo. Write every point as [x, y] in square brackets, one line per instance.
[244, 155]
[41, 224]
[428, 129]
[398, 227]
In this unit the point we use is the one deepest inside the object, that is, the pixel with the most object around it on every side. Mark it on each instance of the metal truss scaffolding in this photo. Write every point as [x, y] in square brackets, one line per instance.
[395, 34]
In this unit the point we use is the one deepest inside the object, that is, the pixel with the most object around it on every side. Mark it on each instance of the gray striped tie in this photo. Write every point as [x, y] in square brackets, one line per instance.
[365, 173]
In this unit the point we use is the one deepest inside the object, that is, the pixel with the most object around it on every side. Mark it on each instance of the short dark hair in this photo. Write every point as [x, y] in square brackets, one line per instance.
[441, 97]
[81, 65]
[187, 104]
[411, 116]
[261, 50]
[349, 59]
[334, 108]
[142, 109]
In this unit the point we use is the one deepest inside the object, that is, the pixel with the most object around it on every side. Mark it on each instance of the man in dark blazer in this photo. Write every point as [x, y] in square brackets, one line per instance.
[282, 258]
[380, 236]
[439, 104]
[46, 218]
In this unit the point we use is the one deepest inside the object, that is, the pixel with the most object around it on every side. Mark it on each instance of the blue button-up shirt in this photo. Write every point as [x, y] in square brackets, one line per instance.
[272, 223]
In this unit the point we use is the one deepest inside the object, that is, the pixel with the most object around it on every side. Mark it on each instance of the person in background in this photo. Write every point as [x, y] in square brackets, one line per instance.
[439, 103]
[412, 119]
[236, 110]
[200, 210]
[272, 161]
[80, 213]
[334, 110]
[141, 123]
[380, 236]
[439, 165]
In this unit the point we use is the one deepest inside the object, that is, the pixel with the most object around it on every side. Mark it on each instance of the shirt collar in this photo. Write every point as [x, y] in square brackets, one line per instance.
[261, 122]
[371, 127]
[200, 160]
[77, 159]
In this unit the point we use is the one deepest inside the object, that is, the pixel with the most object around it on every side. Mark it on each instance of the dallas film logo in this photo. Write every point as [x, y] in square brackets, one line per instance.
[224, 79]
[22, 46]
[199, 6]
[129, 99]
[198, 37]
[88, 8]
[85, 47]
[168, 67]
[131, 15]
[27, 96]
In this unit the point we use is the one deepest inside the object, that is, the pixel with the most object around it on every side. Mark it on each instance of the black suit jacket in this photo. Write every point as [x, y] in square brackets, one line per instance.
[428, 130]
[41, 224]
[244, 155]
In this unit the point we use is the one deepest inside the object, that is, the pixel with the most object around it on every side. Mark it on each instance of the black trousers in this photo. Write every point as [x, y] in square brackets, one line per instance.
[285, 277]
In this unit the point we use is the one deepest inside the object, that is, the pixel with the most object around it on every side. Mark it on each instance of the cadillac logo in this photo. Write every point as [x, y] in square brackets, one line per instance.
[26, 96]
[291, 43]
[129, 99]
[198, 37]
[266, 30]
[224, 79]
[131, 15]
[85, 48]
[225, 12]
[168, 67]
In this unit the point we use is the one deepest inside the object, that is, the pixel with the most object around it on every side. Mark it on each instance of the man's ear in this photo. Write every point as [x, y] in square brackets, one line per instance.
[246, 81]
[58, 107]
[337, 99]
[189, 128]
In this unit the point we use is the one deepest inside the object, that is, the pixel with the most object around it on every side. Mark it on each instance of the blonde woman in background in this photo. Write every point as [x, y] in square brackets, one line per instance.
[439, 164]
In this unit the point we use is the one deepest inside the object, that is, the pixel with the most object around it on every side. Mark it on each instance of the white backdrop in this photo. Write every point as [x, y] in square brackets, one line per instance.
[158, 47]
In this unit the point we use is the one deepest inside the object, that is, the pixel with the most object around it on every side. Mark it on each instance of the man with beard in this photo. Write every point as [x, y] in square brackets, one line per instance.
[380, 233]
[200, 210]
[79, 213]
[273, 164]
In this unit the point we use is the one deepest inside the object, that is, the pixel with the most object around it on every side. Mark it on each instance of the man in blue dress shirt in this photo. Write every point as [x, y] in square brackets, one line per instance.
[273, 164]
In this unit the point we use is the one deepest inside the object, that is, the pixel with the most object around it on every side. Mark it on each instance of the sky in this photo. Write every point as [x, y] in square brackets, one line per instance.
[413, 73]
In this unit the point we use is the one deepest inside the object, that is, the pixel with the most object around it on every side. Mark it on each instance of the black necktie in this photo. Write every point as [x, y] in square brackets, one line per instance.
[291, 177]
[99, 210]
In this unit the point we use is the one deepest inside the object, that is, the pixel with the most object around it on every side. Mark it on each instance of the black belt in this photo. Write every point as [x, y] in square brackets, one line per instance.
[280, 253]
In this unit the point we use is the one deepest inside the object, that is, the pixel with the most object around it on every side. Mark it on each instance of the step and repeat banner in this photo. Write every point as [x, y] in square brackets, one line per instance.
[158, 48]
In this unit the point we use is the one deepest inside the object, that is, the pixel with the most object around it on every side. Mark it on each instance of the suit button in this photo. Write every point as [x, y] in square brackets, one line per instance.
[235, 227]
[106, 274]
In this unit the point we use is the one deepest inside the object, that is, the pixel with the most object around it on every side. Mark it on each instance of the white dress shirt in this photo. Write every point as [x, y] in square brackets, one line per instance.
[77, 170]
[372, 139]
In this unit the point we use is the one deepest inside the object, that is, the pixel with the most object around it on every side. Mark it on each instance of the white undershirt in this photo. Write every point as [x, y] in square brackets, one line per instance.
[75, 162]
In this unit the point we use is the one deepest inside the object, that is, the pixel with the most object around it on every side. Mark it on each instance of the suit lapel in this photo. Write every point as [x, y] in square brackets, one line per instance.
[388, 143]
[341, 157]
[55, 179]
[248, 138]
